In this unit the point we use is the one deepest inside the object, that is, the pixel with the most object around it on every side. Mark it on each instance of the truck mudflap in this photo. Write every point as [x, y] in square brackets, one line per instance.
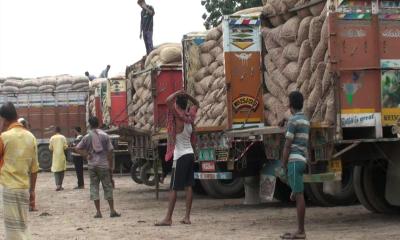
[213, 175]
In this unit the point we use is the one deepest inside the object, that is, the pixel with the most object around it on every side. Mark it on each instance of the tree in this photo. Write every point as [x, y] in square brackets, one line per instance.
[217, 8]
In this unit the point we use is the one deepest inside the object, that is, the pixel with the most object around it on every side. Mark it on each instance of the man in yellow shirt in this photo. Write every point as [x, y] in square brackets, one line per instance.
[58, 144]
[18, 172]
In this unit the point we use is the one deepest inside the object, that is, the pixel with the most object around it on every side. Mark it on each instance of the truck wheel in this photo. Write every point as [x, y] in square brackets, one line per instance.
[45, 157]
[346, 196]
[359, 189]
[233, 188]
[198, 188]
[374, 181]
[135, 172]
[146, 174]
[282, 191]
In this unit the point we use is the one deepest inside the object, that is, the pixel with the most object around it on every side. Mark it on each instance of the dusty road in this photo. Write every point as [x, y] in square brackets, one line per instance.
[69, 215]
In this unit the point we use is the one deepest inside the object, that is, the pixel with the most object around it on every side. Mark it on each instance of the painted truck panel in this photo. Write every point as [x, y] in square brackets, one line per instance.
[118, 109]
[242, 52]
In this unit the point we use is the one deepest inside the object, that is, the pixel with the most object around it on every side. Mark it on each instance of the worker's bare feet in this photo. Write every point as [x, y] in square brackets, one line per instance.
[98, 215]
[186, 221]
[163, 223]
[114, 214]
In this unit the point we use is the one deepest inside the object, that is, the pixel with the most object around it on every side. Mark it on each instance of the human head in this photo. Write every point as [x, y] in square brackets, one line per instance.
[182, 101]
[8, 113]
[23, 122]
[295, 101]
[93, 122]
[78, 130]
[87, 74]
[141, 2]
[108, 66]
[58, 130]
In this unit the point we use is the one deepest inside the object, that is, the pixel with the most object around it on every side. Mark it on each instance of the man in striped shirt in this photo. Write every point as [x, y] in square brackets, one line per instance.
[295, 158]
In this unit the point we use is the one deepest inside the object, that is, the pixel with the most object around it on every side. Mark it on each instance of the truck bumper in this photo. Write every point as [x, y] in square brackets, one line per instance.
[213, 175]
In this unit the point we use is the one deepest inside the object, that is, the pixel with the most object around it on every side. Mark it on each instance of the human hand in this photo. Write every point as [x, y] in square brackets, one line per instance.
[140, 36]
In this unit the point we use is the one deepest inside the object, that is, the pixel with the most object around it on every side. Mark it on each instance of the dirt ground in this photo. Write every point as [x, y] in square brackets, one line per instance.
[69, 215]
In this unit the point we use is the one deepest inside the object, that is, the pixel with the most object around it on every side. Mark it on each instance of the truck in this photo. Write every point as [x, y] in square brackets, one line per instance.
[46, 110]
[352, 158]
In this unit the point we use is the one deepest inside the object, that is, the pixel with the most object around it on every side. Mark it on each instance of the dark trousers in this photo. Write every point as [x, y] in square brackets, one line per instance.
[148, 41]
[78, 162]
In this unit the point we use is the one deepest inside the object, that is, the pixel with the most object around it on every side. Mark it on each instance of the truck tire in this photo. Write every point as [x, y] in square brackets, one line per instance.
[282, 191]
[224, 188]
[146, 176]
[359, 188]
[45, 157]
[374, 181]
[198, 188]
[347, 195]
[135, 171]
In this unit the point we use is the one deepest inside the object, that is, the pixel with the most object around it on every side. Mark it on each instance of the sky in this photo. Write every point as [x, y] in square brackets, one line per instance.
[50, 37]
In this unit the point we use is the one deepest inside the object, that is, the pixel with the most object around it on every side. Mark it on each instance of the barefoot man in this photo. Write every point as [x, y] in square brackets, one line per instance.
[294, 159]
[180, 148]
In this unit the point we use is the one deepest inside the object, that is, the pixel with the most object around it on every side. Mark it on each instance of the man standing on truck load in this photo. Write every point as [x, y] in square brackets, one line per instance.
[294, 162]
[58, 144]
[18, 172]
[78, 159]
[104, 73]
[97, 148]
[180, 148]
[146, 25]
[32, 197]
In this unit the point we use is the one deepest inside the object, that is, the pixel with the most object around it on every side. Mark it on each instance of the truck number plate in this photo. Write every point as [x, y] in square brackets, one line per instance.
[207, 154]
[208, 166]
[336, 165]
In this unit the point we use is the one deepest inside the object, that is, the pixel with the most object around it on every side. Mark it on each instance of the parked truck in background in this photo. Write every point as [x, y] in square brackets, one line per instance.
[45, 111]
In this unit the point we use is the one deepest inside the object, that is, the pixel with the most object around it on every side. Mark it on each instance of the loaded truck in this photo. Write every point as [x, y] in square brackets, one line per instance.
[46, 110]
[353, 156]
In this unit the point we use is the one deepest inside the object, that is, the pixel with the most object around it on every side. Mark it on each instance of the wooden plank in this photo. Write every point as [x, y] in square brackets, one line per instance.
[255, 131]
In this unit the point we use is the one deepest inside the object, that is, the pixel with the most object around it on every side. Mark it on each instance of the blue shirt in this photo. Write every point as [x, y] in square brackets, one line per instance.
[146, 21]
[298, 130]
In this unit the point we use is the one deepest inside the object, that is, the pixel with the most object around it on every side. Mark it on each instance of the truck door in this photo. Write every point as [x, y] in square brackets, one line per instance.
[242, 52]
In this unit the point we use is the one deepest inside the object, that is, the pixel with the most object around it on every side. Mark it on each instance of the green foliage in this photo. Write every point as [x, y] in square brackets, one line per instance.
[217, 8]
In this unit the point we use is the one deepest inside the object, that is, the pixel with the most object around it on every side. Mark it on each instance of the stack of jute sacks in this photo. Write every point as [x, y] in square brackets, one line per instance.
[60, 83]
[141, 107]
[297, 59]
[93, 85]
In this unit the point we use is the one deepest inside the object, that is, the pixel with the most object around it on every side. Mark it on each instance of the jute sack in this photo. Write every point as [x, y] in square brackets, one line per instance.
[270, 118]
[303, 32]
[291, 52]
[202, 73]
[314, 34]
[213, 34]
[305, 73]
[317, 75]
[170, 54]
[199, 90]
[80, 86]
[290, 28]
[327, 80]
[276, 106]
[330, 108]
[80, 79]
[47, 88]
[220, 59]
[208, 45]
[292, 87]
[219, 72]
[269, 64]
[206, 82]
[213, 66]
[269, 10]
[64, 87]
[269, 41]
[12, 83]
[206, 59]
[280, 79]
[276, 35]
[316, 9]
[305, 52]
[147, 82]
[29, 89]
[324, 32]
[30, 82]
[318, 55]
[216, 51]
[291, 71]
[9, 89]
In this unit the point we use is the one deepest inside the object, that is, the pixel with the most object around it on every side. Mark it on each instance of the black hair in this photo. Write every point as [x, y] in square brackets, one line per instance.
[296, 100]
[108, 66]
[182, 101]
[87, 73]
[78, 129]
[58, 129]
[8, 112]
[94, 122]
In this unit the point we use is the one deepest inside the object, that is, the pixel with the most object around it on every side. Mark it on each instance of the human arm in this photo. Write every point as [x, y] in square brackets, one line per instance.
[81, 148]
[34, 169]
[148, 9]
[171, 99]
[51, 144]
